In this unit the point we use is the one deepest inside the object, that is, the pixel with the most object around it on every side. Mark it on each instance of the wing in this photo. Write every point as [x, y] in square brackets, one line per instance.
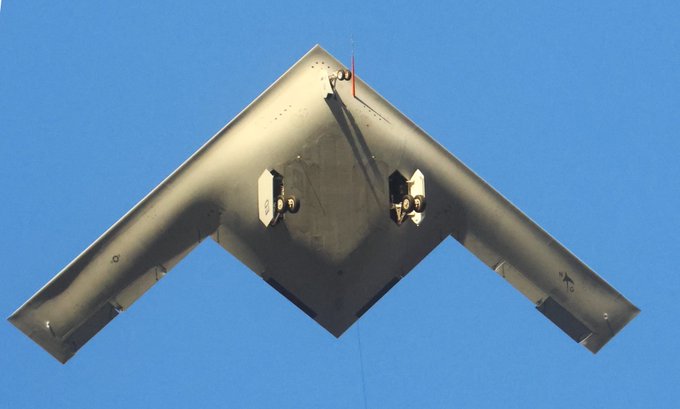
[213, 187]
[562, 287]
[119, 266]
[464, 206]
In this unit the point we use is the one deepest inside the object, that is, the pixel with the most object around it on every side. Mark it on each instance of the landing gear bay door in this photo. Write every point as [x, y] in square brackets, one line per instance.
[265, 197]
[417, 190]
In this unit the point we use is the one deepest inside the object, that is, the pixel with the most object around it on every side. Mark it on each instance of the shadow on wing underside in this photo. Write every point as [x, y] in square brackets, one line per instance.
[185, 230]
[357, 142]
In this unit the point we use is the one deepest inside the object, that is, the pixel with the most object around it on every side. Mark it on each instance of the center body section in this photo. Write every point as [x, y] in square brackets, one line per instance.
[341, 251]
[338, 252]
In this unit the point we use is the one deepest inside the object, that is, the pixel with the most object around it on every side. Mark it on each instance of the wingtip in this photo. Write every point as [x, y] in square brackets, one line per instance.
[635, 313]
[595, 343]
[57, 350]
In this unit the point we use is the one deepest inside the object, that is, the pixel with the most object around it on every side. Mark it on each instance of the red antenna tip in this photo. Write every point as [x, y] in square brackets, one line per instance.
[354, 93]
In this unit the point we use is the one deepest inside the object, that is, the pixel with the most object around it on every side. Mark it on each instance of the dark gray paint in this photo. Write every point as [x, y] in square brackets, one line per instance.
[341, 252]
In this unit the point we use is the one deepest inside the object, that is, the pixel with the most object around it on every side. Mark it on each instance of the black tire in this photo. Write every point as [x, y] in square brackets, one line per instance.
[348, 75]
[280, 205]
[407, 204]
[340, 75]
[292, 204]
[419, 203]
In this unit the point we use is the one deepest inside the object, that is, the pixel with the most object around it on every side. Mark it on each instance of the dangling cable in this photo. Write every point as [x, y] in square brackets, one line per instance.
[361, 363]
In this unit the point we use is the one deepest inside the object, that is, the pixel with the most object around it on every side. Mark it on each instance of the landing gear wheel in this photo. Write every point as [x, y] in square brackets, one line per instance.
[293, 204]
[280, 205]
[348, 75]
[419, 203]
[340, 75]
[407, 204]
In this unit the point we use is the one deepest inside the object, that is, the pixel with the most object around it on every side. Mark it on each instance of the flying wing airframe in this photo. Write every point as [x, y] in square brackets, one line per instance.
[331, 195]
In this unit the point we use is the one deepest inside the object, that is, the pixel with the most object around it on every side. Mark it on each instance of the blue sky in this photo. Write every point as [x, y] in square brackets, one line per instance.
[570, 110]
